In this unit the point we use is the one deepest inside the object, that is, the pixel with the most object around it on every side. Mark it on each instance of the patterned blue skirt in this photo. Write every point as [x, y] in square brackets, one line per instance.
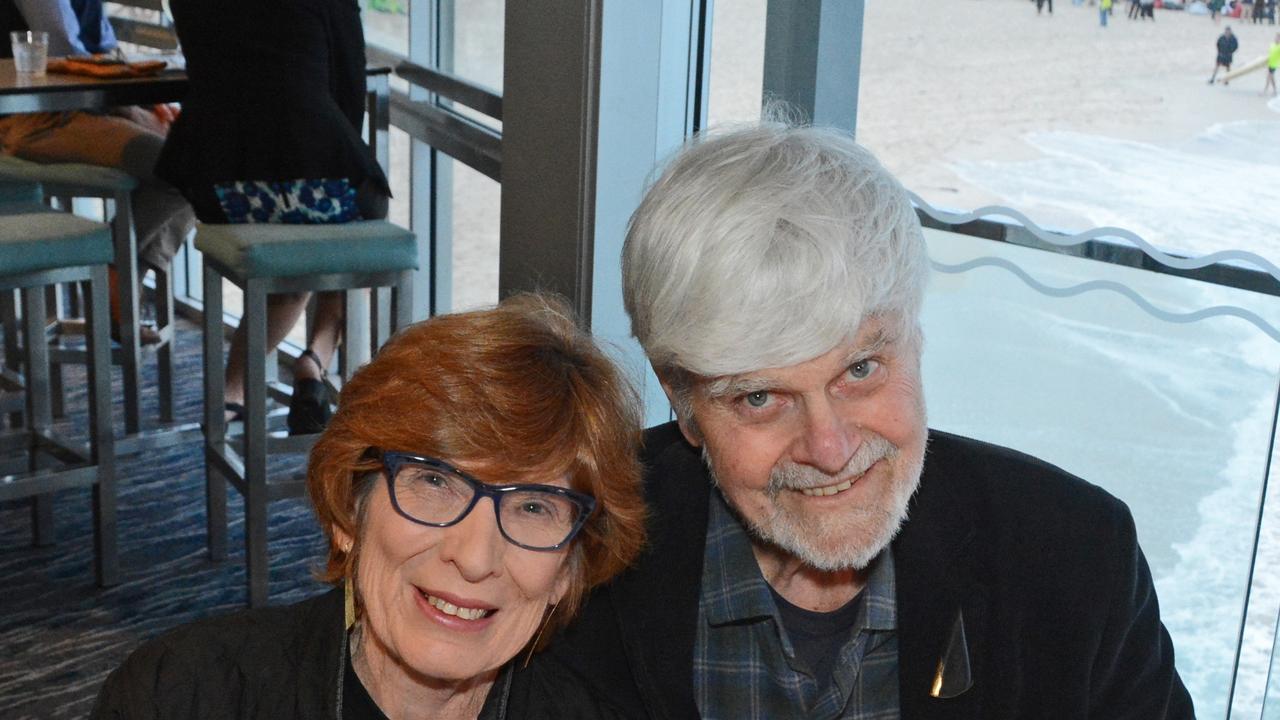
[291, 202]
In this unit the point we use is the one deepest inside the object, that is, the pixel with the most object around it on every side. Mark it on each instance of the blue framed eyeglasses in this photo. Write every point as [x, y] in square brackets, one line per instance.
[429, 491]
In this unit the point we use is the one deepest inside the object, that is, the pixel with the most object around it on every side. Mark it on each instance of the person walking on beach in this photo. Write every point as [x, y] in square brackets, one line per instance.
[1227, 46]
[1040, 6]
[1104, 9]
[1215, 8]
[1273, 62]
[1134, 9]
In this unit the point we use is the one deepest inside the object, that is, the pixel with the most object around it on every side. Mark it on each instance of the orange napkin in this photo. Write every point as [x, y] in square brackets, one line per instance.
[106, 68]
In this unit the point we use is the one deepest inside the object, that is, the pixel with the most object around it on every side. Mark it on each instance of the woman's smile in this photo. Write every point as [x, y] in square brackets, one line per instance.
[454, 612]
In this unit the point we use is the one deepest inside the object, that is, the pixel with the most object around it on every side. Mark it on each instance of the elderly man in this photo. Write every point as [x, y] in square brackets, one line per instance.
[815, 551]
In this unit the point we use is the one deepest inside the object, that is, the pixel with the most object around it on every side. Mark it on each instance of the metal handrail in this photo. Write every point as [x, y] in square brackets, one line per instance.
[451, 87]
[437, 124]
[450, 132]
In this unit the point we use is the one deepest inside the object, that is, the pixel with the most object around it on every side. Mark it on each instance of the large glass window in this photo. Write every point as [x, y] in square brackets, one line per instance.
[386, 24]
[475, 214]
[1174, 418]
[737, 61]
[477, 27]
[1077, 126]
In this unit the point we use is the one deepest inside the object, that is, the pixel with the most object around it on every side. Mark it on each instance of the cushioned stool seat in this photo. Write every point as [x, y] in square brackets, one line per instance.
[71, 180]
[264, 259]
[40, 247]
[263, 250]
[33, 237]
[68, 179]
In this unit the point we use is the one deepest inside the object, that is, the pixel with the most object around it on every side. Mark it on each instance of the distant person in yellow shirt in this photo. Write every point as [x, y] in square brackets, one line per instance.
[1273, 62]
[1104, 9]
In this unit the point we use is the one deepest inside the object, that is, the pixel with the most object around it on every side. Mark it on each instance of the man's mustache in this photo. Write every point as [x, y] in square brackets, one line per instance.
[795, 476]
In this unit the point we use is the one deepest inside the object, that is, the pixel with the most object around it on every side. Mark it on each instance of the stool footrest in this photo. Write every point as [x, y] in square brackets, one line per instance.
[230, 464]
[48, 442]
[158, 438]
[15, 487]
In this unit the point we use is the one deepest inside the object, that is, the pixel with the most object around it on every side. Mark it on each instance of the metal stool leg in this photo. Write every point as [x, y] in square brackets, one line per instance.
[54, 295]
[355, 332]
[380, 299]
[164, 356]
[102, 454]
[214, 422]
[126, 263]
[255, 442]
[12, 351]
[39, 412]
[402, 303]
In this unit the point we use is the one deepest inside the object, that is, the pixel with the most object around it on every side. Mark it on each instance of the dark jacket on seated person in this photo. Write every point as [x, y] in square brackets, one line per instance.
[289, 663]
[1060, 618]
[277, 93]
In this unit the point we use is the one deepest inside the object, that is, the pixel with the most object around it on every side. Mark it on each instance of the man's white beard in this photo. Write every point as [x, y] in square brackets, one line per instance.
[848, 539]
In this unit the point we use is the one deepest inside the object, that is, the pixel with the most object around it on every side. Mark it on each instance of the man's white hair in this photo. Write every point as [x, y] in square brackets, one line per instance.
[766, 247]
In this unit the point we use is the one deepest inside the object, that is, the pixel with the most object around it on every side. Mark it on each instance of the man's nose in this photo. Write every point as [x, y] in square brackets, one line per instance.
[475, 544]
[828, 439]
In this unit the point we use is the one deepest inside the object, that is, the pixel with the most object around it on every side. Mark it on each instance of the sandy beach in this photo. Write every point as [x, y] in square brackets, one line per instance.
[967, 80]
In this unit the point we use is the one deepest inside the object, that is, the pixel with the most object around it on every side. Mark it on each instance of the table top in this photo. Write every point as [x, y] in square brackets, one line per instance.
[55, 91]
[75, 92]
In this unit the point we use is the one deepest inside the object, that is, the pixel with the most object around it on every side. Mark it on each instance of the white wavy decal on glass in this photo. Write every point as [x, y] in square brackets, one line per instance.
[1059, 240]
[1112, 286]
[1056, 239]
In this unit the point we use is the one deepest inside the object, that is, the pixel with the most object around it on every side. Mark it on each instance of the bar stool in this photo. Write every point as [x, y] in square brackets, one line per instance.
[68, 180]
[38, 248]
[262, 259]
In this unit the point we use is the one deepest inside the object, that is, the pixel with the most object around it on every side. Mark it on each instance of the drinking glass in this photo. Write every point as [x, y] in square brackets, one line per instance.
[30, 52]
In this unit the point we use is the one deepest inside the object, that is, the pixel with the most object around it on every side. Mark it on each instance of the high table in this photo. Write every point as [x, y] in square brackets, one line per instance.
[21, 94]
[58, 92]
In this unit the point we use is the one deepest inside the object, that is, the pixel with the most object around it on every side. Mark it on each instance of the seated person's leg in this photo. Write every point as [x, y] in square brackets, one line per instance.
[162, 218]
[283, 311]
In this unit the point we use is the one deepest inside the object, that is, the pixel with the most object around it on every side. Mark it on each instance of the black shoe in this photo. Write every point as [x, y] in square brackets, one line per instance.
[309, 407]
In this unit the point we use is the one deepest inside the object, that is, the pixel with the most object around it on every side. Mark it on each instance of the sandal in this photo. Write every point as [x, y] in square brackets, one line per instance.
[309, 406]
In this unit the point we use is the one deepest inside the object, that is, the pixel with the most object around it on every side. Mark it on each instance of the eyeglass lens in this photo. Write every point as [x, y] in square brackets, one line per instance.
[535, 518]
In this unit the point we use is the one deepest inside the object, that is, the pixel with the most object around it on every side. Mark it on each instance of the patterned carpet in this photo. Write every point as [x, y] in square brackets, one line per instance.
[60, 634]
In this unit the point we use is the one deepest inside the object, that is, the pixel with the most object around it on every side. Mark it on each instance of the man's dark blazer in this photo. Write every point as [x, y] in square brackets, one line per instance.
[1060, 619]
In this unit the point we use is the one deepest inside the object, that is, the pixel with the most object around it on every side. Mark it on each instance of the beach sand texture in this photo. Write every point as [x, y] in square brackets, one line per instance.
[966, 80]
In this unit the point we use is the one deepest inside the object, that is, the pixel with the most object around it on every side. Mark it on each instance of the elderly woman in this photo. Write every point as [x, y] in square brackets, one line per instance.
[478, 478]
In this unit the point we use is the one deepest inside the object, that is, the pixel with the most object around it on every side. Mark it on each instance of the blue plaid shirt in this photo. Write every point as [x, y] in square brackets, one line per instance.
[744, 665]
